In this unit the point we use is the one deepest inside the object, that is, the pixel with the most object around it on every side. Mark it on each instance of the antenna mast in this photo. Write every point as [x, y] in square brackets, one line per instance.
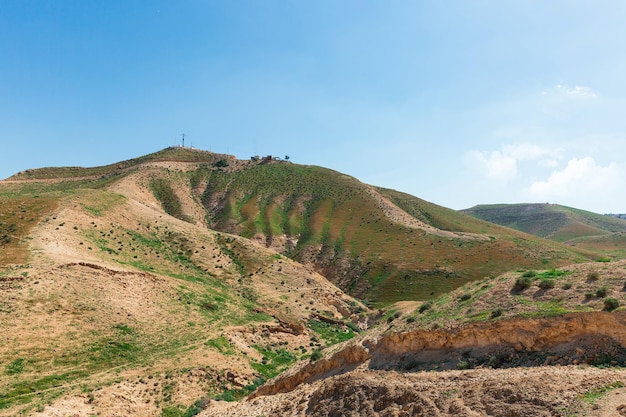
[183, 135]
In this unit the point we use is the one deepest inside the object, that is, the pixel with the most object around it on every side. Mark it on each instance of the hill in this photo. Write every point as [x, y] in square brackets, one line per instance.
[159, 285]
[374, 243]
[580, 228]
[103, 293]
[526, 343]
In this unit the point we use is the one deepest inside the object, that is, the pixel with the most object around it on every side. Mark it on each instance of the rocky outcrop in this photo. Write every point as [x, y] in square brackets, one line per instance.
[343, 361]
[594, 338]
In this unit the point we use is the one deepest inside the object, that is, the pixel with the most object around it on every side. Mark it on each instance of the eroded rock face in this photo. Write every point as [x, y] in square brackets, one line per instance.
[520, 392]
[343, 361]
[591, 338]
[571, 339]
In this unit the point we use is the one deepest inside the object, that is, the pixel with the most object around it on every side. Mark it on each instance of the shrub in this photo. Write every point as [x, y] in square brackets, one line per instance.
[546, 284]
[496, 313]
[602, 292]
[465, 297]
[522, 283]
[593, 276]
[529, 274]
[567, 286]
[222, 163]
[315, 356]
[611, 304]
[425, 306]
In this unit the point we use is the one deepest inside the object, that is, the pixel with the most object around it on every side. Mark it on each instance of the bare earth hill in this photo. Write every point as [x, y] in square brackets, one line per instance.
[174, 283]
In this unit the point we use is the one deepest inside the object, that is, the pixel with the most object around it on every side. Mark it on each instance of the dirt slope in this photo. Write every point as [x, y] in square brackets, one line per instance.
[555, 391]
[122, 309]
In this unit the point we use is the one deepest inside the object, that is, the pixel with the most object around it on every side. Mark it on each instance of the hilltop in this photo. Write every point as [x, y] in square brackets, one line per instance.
[162, 284]
[583, 229]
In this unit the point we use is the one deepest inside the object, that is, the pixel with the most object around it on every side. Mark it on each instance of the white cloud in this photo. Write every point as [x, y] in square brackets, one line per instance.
[579, 176]
[493, 165]
[503, 165]
[566, 91]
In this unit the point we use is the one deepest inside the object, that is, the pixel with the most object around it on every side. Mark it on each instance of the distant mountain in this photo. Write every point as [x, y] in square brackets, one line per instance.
[605, 233]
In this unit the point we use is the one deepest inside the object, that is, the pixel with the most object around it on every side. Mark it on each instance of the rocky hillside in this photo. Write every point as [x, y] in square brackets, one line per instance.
[175, 283]
[513, 345]
[105, 296]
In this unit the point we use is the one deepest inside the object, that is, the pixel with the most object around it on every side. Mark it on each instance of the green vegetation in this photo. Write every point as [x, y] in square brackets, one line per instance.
[222, 345]
[591, 231]
[331, 333]
[338, 217]
[237, 394]
[274, 361]
[24, 392]
[170, 202]
[602, 292]
[593, 276]
[547, 279]
[316, 356]
[182, 411]
[546, 284]
[204, 285]
[594, 395]
[522, 283]
[19, 213]
[611, 304]
[15, 367]
[516, 295]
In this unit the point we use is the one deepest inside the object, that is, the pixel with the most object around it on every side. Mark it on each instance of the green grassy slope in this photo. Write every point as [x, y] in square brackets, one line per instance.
[334, 222]
[559, 223]
[587, 287]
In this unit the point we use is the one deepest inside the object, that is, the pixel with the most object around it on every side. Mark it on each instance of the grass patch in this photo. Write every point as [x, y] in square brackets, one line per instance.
[594, 395]
[331, 333]
[222, 345]
[15, 367]
[163, 191]
[25, 391]
[273, 362]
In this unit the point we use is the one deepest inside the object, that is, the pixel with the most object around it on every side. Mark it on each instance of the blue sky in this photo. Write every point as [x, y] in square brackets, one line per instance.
[457, 102]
